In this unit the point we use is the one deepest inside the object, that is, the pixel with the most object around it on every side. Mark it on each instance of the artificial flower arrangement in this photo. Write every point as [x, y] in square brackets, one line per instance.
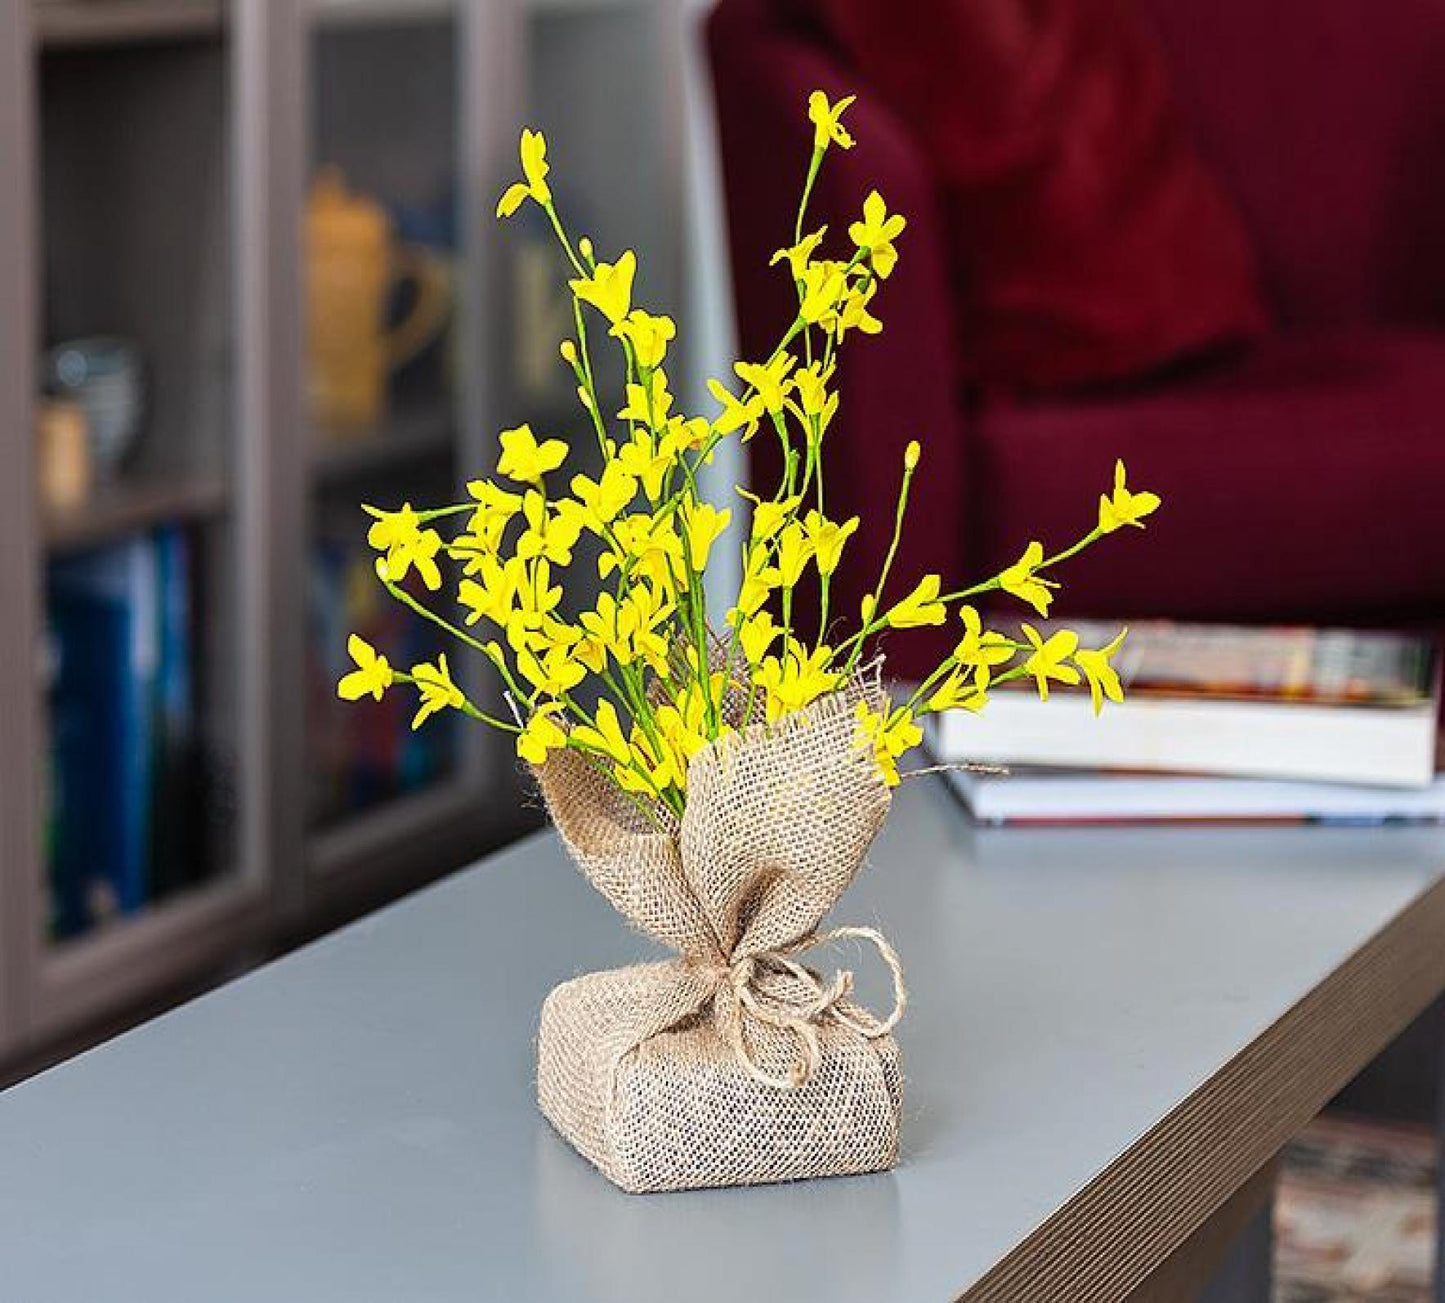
[719, 780]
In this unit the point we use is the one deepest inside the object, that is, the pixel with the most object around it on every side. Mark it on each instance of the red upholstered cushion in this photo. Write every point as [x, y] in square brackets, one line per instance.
[1303, 483]
[1089, 242]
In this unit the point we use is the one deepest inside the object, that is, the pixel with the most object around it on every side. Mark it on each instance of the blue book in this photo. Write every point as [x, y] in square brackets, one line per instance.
[105, 614]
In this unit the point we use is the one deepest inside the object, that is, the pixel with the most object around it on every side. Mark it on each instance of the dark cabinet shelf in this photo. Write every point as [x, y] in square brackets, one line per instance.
[130, 507]
[79, 23]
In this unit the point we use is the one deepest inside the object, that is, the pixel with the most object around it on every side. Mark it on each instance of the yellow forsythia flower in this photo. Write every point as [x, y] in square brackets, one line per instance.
[524, 459]
[890, 734]
[770, 379]
[795, 681]
[1021, 581]
[703, 525]
[406, 545]
[434, 683]
[876, 232]
[372, 675]
[920, 607]
[541, 736]
[1102, 676]
[534, 168]
[737, 413]
[606, 737]
[1123, 507]
[827, 539]
[609, 287]
[1046, 661]
[756, 635]
[799, 255]
[648, 335]
[959, 691]
[602, 499]
[794, 551]
[979, 649]
[827, 121]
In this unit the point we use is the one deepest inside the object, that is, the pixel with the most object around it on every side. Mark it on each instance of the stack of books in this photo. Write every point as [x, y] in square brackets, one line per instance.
[1218, 724]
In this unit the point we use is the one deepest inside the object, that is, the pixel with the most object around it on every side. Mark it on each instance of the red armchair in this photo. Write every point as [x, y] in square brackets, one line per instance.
[1303, 478]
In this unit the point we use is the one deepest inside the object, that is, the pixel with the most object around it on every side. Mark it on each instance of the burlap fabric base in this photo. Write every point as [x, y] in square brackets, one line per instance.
[734, 1063]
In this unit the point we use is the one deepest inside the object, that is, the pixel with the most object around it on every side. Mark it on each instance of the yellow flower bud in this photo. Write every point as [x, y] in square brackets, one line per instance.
[911, 454]
[569, 352]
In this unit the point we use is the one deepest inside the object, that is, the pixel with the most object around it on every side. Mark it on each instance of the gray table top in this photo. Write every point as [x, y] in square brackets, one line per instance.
[356, 1122]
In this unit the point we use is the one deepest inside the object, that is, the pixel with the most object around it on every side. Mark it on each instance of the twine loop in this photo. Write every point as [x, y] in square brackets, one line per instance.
[779, 992]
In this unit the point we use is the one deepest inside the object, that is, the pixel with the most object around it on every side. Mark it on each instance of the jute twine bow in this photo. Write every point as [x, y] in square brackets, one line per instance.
[799, 1007]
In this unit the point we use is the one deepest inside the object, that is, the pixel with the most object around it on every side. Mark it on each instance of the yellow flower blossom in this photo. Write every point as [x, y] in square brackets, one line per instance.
[496, 507]
[890, 734]
[920, 607]
[769, 379]
[827, 120]
[795, 680]
[737, 413]
[609, 287]
[827, 540]
[824, 287]
[702, 526]
[1103, 678]
[959, 691]
[1046, 661]
[604, 498]
[644, 460]
[799, 255]
[524, 459]
[980, 649]
[434, 683]
[1022, 581]
[758, 584]
[756, 635]
[1125, 508]
[495, 596]
[853, 314]
[542, 735]
[372, 675]
[534, 168]
[876, 232]
[795, 550]
[649, 336]
[648, 404]
[554, 673]
[768, 517]
[605, 735]
[407, 545]
[550, 534]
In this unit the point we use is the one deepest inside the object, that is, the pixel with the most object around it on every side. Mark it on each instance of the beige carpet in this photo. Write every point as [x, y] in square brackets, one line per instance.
[1355, 1215]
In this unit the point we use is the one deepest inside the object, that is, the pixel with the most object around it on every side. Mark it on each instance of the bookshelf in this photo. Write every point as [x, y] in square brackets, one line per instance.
[159, 159]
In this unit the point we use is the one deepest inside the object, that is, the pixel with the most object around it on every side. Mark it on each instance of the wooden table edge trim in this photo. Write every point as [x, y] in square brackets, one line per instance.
[1167, 1184]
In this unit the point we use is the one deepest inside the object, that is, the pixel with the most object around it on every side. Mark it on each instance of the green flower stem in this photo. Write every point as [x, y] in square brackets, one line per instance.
[461, 635]
[467, 708]
[586, 377]
[874, 623]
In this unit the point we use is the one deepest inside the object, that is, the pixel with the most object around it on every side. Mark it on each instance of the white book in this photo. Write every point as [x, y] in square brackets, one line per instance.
[1315, 706]
[1039, 796]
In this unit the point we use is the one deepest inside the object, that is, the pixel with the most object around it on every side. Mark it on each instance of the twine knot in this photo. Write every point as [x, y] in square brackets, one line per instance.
[779, 992]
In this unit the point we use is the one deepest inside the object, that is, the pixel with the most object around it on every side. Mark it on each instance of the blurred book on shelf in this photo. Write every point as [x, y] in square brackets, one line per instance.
[125, 818]
[1294, 704]
[365, 753]
[1034, 796]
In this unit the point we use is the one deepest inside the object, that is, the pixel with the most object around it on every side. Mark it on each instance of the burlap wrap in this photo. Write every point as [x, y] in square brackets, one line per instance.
[734, 1063]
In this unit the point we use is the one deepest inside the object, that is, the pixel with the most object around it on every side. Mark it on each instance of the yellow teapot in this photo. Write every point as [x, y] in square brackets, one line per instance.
[353, 261]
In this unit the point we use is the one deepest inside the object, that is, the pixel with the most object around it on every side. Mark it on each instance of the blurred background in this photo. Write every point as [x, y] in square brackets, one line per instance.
[249, 278]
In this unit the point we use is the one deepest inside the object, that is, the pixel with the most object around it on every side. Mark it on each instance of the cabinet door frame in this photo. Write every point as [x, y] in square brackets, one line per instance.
[20, 712]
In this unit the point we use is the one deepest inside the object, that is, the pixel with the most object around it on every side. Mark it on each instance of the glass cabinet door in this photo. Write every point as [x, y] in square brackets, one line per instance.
[135, 439]
[384, 250]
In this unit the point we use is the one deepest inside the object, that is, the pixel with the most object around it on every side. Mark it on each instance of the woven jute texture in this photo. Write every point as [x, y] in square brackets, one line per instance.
[733, 1063]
